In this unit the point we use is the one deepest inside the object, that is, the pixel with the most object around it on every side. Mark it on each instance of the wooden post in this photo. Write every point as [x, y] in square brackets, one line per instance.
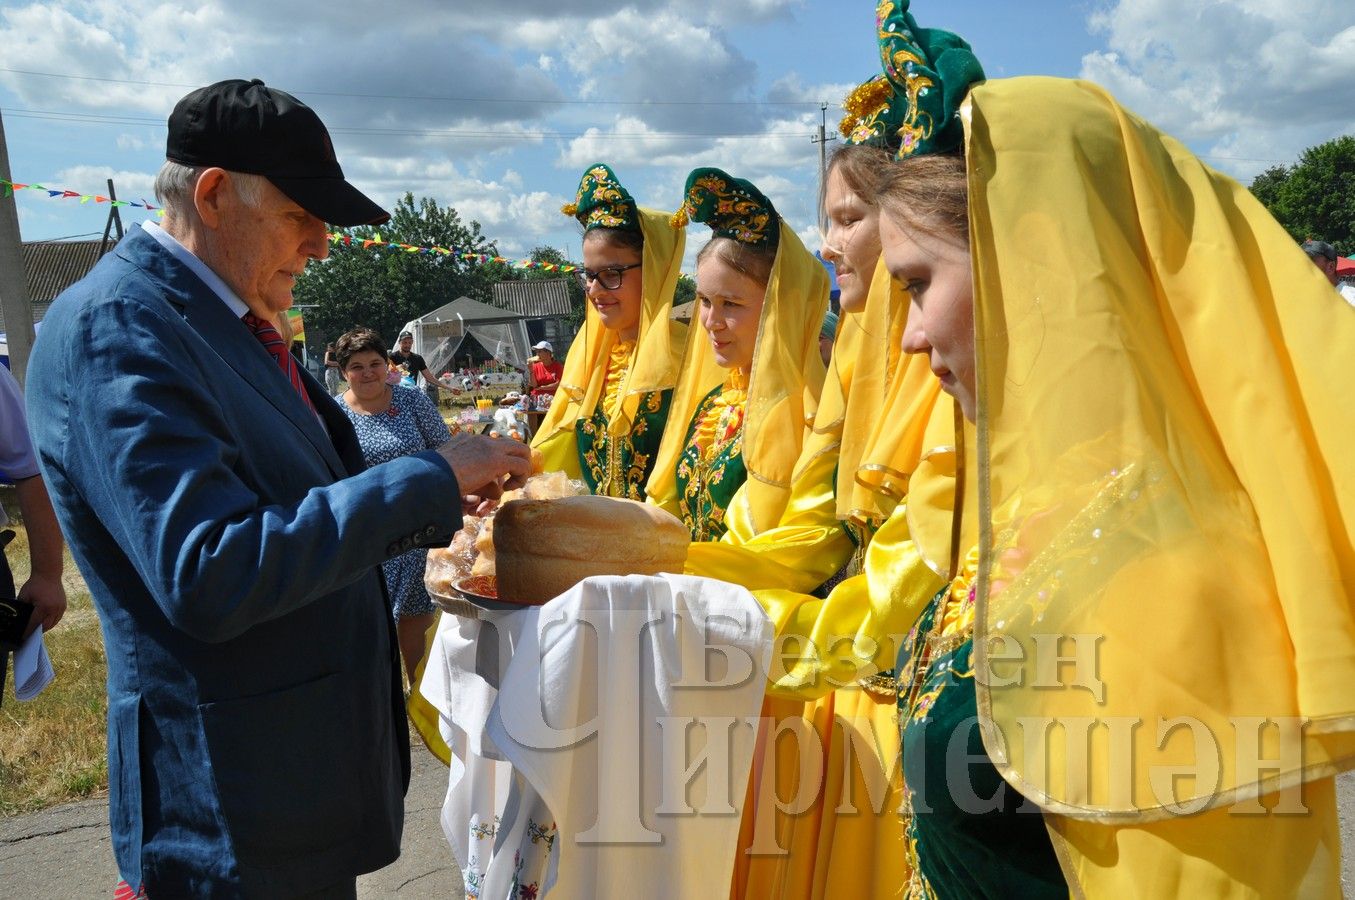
[14, 301]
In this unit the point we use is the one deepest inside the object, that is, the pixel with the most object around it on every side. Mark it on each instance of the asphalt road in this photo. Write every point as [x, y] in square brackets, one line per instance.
[64, 852]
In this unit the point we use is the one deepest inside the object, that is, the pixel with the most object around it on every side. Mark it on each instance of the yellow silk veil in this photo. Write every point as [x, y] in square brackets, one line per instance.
[1167, 489]
[657, 359]
[889, 402]
[785, 379]
[830, 642]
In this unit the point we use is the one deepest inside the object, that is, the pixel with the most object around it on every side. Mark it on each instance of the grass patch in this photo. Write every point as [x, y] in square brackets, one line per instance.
[54, 749]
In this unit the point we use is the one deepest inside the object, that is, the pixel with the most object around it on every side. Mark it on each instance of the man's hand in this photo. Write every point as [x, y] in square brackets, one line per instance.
[471, 505]
[480, 464]
[49, 602]
[43, 588]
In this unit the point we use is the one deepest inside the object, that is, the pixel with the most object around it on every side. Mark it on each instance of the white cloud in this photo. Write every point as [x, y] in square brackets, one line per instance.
[1258, 82]
[94, 180]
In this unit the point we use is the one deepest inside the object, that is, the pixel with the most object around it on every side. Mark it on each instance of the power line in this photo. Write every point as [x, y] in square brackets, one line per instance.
[64, 237]
[552, 101]
[98, 119]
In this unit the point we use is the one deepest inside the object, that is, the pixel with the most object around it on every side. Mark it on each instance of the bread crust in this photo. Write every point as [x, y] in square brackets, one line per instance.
[605, 529]
[542, 548]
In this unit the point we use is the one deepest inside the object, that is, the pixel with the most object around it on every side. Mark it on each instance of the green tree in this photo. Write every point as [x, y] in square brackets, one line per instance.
[383, 287]
[686, 290]
[1315, 198]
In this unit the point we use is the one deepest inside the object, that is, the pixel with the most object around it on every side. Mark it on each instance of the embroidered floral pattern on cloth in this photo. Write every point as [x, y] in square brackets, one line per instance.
[938, 716]
[619, 465]
[602, 202]
[711, 469]
[931, 71]
[732, 207]
[522, 887]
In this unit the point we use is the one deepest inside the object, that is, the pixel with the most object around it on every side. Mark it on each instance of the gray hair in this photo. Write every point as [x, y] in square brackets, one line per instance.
[175, 181]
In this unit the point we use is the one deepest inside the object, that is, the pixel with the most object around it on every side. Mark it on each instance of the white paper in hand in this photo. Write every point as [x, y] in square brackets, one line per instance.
[32, 667]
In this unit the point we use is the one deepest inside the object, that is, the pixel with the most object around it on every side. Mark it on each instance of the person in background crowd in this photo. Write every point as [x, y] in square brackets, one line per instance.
[1324, 257]
[333, 372]
[216, 500]
[608, 416]
[543, 373]
[392, 421]
[827, 334]
[414, 366]
[19, 467]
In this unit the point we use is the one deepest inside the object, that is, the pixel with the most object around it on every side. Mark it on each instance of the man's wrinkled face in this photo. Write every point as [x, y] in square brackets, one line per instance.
[260, 250]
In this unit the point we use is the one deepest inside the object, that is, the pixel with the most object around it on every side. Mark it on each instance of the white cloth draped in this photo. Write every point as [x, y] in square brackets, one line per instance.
[602, 742]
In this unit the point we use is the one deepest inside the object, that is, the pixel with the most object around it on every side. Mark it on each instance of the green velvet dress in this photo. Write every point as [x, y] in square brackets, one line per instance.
[970, 834]
[711, 470]
[619, 465]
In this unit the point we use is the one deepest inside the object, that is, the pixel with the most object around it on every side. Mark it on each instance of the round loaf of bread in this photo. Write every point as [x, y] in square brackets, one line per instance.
[542, 548]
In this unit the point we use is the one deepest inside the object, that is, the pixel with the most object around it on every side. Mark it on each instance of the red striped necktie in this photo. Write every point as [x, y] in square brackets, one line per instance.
[267, 335]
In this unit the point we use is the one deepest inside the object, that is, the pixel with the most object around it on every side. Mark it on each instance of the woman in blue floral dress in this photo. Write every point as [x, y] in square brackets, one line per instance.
[392, 421]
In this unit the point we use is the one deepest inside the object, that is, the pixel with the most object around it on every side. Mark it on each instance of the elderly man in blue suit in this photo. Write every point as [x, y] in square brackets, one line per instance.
[215, 499]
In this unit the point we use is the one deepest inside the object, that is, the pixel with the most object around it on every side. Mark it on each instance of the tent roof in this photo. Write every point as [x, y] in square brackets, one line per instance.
[470, 311]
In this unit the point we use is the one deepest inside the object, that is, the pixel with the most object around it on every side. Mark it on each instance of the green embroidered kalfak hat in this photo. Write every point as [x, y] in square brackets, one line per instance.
[732, 207]
[930, 72]
[872, 117]
[602, 202]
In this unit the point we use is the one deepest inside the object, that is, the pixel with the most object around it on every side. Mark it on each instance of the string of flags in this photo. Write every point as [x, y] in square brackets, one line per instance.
[376, 240]
[9, 188]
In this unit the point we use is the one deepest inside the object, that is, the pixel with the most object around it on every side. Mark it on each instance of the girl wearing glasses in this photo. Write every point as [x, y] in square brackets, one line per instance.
[752, 373]
[608, 416]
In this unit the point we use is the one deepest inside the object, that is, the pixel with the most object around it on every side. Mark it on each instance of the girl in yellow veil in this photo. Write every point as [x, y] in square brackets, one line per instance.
[609, 413]
[1141, 684]
[752, 368]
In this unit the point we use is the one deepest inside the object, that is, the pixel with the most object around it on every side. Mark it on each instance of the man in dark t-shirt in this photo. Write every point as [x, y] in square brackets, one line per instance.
[415, 365]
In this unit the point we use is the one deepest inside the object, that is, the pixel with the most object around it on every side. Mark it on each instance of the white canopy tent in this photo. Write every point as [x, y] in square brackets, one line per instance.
[439, 334]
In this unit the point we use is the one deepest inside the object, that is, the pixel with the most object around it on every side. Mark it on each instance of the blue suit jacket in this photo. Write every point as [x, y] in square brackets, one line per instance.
[257, 743]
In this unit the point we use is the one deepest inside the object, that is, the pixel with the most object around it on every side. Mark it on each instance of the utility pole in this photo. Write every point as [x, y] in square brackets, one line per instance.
[18, 311]
[822, 140]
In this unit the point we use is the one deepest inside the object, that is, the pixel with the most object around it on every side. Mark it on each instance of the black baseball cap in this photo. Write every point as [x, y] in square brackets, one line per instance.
[246, 126]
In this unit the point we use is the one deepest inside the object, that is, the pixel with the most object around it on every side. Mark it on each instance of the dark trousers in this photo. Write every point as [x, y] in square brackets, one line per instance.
[344, 890]
[6, 590]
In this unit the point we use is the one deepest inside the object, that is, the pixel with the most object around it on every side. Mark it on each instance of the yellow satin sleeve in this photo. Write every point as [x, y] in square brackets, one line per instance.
[826, 644]
[801, 553]
[560, 453]
[1217, 854]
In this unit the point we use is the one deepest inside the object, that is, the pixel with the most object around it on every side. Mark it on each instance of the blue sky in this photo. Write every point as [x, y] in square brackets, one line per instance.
[496, 109]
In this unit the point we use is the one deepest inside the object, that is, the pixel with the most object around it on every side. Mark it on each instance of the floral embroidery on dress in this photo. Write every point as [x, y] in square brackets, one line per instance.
[936, 657]
[618, 465]
[711, 468]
